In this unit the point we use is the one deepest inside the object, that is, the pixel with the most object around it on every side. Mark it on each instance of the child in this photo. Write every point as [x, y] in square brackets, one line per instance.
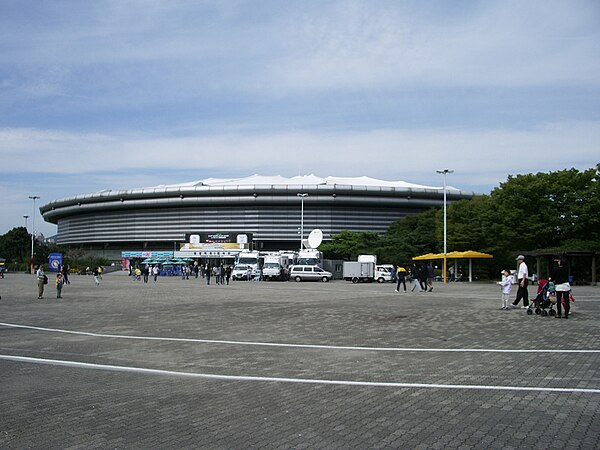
[506, 286]
[59, 285]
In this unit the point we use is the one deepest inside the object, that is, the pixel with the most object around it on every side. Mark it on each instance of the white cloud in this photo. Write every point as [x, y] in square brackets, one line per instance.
[57, 164]
[506, 43]
[186, 48]
[391, 154]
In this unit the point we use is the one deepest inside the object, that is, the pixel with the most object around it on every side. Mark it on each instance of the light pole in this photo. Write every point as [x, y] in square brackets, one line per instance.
[34, 198]
[445, 172]
[302, 196]
[26, 229]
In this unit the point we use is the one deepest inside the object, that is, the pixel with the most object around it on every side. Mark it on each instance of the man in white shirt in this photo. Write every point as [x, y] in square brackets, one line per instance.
[522, 292]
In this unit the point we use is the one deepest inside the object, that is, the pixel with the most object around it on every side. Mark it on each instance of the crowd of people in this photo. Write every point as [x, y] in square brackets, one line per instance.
[220, 273]
[419, 276]
[560, 292]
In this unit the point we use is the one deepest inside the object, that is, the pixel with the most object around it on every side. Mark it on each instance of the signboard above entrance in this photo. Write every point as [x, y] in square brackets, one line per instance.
[216, 241]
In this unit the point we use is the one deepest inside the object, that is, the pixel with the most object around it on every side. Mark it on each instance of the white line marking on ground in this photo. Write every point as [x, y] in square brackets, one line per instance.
[311, 346]
[81, 365]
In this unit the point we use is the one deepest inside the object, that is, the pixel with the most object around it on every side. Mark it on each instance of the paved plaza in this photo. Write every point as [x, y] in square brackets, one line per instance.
[179, 364]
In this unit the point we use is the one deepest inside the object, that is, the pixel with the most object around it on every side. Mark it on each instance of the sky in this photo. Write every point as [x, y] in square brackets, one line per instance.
[115, 94]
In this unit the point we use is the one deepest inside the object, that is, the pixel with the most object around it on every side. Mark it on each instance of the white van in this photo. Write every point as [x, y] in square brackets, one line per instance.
[309, 273]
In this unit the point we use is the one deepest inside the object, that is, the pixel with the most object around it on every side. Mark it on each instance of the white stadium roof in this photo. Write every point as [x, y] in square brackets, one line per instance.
[304, 180]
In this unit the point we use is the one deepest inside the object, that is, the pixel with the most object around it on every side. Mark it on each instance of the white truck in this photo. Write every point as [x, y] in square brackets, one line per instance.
[367, 269]
[249, 258]
[383, 272]
[356, 271]
[274, 267]
[309, 257]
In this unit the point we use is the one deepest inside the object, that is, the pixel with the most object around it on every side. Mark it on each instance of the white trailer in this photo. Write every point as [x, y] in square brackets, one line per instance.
[356, 271]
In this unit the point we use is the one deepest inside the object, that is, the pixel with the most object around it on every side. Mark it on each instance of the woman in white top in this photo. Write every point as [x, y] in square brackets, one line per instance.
[41, 277]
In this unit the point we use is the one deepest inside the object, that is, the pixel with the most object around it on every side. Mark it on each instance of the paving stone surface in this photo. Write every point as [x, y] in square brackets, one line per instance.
[337, 331]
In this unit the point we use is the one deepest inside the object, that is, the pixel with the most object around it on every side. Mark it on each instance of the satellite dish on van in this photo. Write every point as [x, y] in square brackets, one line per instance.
[315, 238]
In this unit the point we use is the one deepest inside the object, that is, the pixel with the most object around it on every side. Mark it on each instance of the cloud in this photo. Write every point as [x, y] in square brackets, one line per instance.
[159, 51]
[505, 43]
[58, 164]
[388, 153]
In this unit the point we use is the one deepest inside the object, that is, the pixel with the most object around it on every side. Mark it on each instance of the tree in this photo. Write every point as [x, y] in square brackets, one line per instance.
[411, 236]
[547, 210]
[15, 245]
[349, 244]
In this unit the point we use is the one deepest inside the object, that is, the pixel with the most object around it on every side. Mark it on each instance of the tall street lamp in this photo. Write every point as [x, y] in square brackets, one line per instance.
[302, 196]
[445, 172]
[26, 229]
[34, 198]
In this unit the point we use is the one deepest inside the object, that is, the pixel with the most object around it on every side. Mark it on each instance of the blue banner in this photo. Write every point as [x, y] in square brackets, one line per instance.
[55, 261]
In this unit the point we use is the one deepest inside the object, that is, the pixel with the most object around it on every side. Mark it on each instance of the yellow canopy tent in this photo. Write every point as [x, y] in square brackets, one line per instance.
[469, 254]
[429, 256]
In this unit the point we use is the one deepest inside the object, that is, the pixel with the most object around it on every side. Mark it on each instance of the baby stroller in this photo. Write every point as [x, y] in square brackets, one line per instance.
[544, 299]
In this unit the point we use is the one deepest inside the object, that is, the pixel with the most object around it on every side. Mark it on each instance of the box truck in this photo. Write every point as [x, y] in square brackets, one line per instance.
[356, 271]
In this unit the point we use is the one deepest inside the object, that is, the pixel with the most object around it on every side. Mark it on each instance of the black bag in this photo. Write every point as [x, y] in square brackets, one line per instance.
[45, 279]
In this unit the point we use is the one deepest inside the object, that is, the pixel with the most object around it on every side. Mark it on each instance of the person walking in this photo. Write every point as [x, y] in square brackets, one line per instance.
[65, 273]
[430, 277]
[155, 272]
[506, 287]
[560, 277]
[59, 285]
[401, 277]
[222, 274]
[146, 274]
[227, 274]
[414, 276]
[208, 274]
[217, 274]
[422, 274]
[97, 276]
[42, 279]
[522, 293]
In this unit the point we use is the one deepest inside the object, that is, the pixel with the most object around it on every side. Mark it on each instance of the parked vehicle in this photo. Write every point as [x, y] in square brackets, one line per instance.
[243, 272]
[365, 270]
[356, 271]
[274, 267]
[309, 273]
[310, 257]
[383, 273]
[249, 258]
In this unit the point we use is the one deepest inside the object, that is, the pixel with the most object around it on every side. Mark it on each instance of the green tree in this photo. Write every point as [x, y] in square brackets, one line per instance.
[547, 210]
[469, 224]
[411, 236]
[15, 245]
[349, 244]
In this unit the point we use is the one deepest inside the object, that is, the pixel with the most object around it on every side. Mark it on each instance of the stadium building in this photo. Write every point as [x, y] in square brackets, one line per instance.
[267, 210]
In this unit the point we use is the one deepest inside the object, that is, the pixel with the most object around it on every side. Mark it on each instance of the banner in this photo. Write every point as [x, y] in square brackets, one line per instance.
[55, 261]
[216, 241]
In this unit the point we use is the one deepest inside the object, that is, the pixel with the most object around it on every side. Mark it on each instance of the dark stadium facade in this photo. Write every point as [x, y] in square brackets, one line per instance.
[267, 208]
